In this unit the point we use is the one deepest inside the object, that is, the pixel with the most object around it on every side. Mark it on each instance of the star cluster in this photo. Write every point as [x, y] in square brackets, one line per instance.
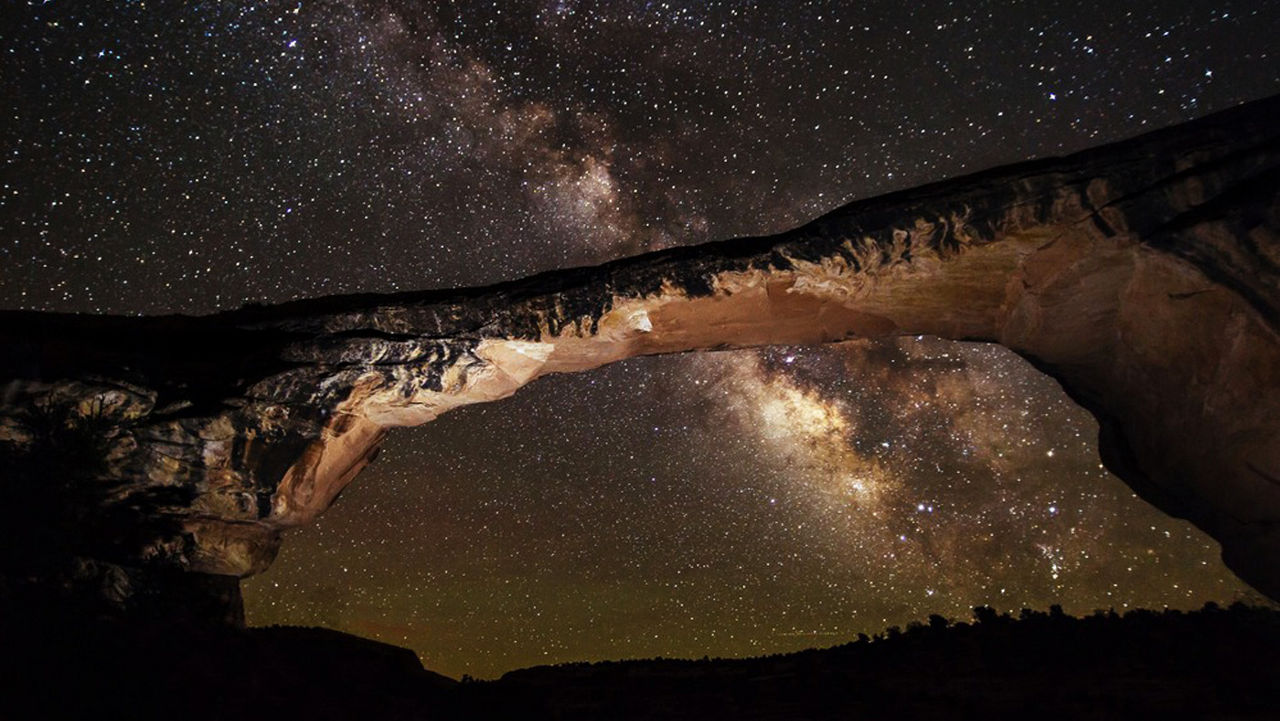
[189, 157]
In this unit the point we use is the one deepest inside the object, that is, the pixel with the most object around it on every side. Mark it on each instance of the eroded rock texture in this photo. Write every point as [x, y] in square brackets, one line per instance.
[1142, 275]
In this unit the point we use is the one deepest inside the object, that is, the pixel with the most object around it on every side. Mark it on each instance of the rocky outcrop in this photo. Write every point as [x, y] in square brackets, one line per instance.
[1143, 276]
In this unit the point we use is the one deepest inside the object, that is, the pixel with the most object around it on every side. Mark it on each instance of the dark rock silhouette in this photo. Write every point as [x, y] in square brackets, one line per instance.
[75, 668]
[1142, 275]
[1211, 664]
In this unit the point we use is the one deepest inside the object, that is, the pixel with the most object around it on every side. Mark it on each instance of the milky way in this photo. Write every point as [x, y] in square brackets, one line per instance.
[190, 157]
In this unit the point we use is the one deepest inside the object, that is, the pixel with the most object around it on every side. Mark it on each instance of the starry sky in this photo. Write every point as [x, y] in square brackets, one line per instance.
[189, 157]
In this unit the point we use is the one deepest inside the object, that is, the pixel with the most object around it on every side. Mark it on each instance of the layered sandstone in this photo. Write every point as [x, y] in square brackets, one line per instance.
[1144, 276]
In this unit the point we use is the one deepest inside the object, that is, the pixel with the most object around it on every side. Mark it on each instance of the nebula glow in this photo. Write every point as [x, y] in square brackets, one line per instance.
[799, 431]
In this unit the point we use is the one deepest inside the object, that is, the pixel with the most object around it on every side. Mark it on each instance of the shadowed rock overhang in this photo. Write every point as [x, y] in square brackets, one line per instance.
[1142, 275]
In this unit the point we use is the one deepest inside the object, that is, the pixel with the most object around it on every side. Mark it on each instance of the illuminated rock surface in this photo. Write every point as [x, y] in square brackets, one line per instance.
[1141, 275]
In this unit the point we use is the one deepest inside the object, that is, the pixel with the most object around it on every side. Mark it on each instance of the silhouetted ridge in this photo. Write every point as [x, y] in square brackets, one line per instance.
[1212, 663]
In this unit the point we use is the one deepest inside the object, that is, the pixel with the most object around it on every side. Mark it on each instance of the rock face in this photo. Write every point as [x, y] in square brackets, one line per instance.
[1144, 276]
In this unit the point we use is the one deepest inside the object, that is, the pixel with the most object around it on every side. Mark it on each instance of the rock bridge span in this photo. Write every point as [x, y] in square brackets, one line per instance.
[1144, 276]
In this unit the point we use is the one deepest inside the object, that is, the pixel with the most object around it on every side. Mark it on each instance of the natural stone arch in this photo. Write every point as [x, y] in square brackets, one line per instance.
[1142, 276]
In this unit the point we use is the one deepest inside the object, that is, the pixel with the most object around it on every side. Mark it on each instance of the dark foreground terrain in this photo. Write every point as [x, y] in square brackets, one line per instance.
[1210, 664]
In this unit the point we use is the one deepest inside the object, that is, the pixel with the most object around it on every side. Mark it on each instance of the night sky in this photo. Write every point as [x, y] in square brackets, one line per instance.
[192, 157]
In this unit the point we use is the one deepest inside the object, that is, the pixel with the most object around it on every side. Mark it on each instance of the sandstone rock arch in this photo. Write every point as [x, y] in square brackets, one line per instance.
[1143, 276]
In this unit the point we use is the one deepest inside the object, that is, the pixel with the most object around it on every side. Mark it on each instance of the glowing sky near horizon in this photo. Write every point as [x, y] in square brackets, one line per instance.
[189, 157]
